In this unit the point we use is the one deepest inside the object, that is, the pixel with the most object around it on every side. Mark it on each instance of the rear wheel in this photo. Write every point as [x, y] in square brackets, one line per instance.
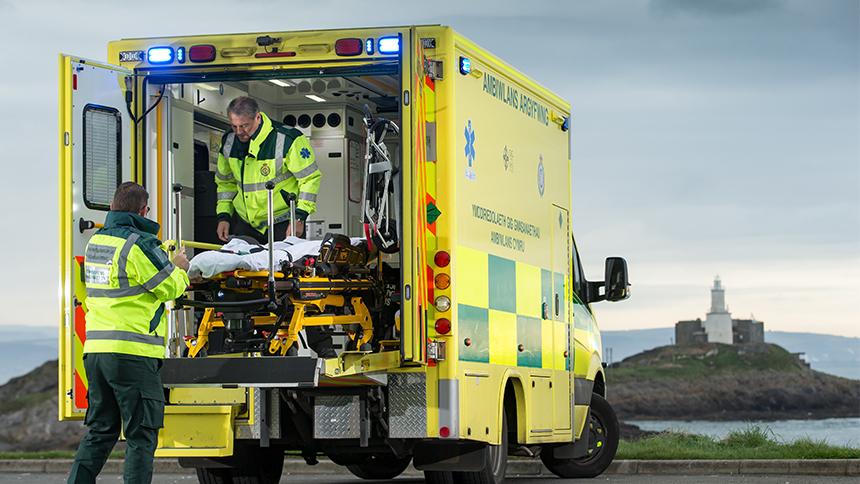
[381, 466]
[497, 462]
[213, 476]
[438, 477]
[265, 467]
[603, 434]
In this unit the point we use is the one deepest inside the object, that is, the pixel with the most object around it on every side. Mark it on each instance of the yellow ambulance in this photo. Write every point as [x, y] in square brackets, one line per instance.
[461, 319]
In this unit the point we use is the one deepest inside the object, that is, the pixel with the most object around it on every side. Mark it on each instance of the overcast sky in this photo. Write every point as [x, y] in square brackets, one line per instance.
[710, 137]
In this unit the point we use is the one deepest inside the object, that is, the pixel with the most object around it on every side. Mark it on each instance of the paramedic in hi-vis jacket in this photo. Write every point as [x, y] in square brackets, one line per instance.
[128, 279]
[256, 151]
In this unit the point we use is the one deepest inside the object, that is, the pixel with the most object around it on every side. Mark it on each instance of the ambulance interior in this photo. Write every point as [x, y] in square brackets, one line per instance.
[330, 112]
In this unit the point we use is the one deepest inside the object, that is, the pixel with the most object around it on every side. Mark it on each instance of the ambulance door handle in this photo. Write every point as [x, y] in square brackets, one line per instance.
[556, 304]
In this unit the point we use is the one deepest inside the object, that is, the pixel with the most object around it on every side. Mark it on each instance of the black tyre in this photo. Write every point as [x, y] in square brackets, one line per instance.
[213, 476]
[380, 467]
[439, 477]
[603, 430]
[494, 472]
[265, 468]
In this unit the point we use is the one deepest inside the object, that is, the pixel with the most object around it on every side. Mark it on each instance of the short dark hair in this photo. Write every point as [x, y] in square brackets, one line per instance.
[129, 197]
[243, 106]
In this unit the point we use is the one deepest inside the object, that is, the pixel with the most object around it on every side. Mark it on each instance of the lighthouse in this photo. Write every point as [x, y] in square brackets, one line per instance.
[718, 323]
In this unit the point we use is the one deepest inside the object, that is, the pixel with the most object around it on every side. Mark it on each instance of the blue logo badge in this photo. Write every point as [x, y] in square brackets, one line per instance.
[540, 174]
[306, 153]
[470, 150]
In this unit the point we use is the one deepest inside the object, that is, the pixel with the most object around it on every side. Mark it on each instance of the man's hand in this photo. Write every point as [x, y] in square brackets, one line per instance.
[223, 230]
[300, 229]
[180, 260]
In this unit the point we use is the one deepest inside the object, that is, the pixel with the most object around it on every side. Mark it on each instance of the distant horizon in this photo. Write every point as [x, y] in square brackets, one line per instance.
[604, 330]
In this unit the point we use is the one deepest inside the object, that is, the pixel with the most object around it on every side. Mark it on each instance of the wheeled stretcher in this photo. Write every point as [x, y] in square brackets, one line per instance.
[266, 315]
[263, 310]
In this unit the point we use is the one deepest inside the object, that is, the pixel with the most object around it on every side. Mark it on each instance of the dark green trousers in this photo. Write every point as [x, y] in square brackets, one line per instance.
[125, 392]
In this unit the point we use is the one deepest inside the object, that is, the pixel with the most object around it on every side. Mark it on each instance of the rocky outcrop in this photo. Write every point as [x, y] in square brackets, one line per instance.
[721, 382]
[28, 414]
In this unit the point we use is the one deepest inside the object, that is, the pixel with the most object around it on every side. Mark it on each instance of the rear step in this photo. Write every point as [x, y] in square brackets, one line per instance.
[285, 371]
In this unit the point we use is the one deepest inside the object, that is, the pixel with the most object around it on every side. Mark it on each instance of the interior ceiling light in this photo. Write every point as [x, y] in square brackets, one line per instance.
[315, 98]
[280, 82]
[207, 86]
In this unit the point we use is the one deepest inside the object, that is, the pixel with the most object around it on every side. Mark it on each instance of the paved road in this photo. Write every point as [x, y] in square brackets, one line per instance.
[339, 479]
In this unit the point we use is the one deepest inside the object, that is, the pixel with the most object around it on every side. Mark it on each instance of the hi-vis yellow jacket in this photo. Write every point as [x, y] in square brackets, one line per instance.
[128, 279]
[275, 153]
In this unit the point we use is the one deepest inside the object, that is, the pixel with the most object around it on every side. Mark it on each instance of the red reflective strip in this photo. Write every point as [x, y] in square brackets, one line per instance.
[275, 54]
[80, 392]
[430, 284]
[75, 82]
[80, 324]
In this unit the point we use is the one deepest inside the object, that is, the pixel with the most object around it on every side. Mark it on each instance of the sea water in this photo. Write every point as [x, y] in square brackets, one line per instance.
[843, 432]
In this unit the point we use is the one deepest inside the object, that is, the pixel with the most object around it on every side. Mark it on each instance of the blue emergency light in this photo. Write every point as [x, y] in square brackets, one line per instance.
[465, 65]
[159, 55]
[389, 45]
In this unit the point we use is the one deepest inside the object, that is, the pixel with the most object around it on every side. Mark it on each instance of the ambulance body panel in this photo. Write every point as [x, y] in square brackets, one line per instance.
[485, 177]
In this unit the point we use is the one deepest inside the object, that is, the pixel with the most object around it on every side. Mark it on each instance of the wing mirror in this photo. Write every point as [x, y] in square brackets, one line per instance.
[616, 286]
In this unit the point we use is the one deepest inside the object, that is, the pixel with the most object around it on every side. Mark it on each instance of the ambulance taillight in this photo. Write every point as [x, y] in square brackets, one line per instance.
[442, 259]
[443, 326]
[348, 47]
[201, 53]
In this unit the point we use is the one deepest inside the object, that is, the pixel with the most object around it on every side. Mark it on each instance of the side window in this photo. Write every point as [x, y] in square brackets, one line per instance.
[102, 153]
[579, 283]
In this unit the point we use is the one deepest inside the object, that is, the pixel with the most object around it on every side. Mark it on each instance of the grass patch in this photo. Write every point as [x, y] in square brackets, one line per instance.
[51, 454]
[754, 442]
[701, 362]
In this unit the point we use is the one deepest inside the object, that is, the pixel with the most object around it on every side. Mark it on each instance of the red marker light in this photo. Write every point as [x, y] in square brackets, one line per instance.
[348, 47]
[442, 259]
[286, 53]
[444, 432]
[201, 53]
[443, 326]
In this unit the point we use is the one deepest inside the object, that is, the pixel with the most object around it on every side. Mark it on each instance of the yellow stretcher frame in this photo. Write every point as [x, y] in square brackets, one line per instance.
[287, 337]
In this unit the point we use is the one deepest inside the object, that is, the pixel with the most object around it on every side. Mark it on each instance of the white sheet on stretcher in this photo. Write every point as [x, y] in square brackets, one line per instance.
[237, 254]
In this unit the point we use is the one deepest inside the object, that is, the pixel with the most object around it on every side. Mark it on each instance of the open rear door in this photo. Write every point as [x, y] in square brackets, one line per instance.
[417, 291]
[95, 157]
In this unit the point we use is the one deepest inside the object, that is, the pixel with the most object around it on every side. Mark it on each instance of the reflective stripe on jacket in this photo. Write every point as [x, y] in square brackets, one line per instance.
[275, 153]
[128, 279]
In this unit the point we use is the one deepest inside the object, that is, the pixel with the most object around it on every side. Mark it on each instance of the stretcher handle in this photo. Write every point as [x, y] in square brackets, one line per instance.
[270, 187]
[171, 245]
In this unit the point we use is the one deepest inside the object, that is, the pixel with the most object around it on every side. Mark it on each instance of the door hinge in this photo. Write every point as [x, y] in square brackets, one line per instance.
[433, 69]
[436, 350]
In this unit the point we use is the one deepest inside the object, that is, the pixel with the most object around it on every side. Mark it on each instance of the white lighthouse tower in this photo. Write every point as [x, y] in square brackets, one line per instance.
[718, 323]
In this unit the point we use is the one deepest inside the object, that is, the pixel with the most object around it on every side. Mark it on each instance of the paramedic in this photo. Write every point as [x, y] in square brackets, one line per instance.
[256, 151]
[128, 279]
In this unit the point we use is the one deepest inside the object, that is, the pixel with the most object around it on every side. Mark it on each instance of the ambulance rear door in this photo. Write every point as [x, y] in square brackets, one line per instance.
[95, 157]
